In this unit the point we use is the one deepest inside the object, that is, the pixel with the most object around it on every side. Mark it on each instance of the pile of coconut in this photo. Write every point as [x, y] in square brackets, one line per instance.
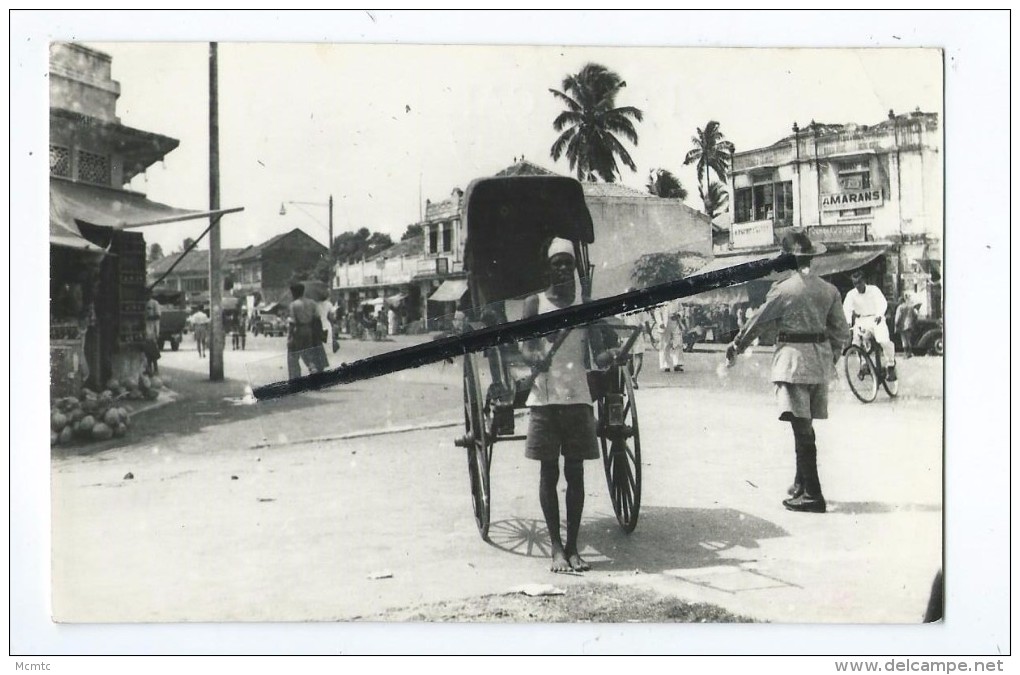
[99, 416]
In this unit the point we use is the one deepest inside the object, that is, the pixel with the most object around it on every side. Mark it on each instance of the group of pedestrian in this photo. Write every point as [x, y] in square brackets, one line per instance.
[309, 329]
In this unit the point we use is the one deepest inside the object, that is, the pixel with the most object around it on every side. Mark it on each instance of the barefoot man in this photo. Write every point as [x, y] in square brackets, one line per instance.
[562, 421]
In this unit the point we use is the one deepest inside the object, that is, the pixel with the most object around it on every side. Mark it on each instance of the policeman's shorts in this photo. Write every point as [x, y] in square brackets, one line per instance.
[807, 401]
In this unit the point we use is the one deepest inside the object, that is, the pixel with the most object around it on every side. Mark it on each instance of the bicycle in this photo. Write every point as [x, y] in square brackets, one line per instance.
[862, 363]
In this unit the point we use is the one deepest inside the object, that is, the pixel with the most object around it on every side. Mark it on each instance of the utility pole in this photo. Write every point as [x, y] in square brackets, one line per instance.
[330, 252]
[216, 335]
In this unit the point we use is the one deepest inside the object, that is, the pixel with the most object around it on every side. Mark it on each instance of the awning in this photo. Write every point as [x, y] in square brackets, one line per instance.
[823, 265]
[451, 290]
[108, 207]
[730, 295]
[394, 300]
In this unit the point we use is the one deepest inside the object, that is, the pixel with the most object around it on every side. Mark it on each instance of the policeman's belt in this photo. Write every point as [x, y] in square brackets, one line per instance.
[803, 337]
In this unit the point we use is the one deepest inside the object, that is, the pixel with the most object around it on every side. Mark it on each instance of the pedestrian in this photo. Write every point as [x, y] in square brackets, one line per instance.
[392, 320]
[200, 324]
[242, 328]
[562, 421]
[153, 312]
[380, 324]
[301, 337]
[906, 319]
[325, 311]
[671, 337]
[812, 331]
[642, 322]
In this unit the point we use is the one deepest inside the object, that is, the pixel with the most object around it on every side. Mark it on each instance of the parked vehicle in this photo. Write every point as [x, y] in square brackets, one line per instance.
[927, 338]
[172, 319]
[271, 325]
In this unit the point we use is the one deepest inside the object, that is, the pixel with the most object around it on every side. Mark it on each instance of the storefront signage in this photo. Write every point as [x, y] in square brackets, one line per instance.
[851, 199]
[837, 233]
[752, 233]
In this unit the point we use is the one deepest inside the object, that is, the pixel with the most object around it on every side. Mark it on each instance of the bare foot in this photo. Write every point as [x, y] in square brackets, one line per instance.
[577, 563]
[559, 562]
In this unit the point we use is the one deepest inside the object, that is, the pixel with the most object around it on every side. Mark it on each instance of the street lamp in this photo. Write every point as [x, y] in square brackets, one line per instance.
[329, 204]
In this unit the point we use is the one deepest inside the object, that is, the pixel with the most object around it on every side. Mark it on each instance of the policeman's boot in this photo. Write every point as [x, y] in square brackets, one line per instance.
[811, 499]
[797, 489]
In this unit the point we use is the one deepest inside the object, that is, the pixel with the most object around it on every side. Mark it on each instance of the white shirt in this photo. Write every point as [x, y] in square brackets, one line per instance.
[325, 308]
[870, 302]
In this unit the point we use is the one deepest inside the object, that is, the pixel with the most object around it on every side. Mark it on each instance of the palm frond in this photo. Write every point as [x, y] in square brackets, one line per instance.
[564, 118]
[561, 141]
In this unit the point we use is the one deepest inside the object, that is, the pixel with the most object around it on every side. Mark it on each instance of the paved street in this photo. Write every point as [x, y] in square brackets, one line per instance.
[233, 513]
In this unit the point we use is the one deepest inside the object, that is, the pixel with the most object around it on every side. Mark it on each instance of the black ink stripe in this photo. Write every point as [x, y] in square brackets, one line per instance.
[525, 329]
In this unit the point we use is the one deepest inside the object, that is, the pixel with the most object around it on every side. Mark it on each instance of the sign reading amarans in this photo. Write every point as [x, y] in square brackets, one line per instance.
[851, 199]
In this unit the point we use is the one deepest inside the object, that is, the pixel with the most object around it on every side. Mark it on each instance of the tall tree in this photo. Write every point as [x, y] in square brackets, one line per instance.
[155, 252]
[716, 200]
[663, 183]
[353, 246]
[413, 230]
[711, 152]
[590, 123]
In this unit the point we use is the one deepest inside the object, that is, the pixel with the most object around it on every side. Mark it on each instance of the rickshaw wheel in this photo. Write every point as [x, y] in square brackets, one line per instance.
[479, 450]
[860, 374]
[621, 451]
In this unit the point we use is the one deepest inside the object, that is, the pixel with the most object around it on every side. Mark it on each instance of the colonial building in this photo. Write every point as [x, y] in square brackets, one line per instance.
[189, 273]
[431, 281]
[97, 266]
[872, 194]
[266, 270]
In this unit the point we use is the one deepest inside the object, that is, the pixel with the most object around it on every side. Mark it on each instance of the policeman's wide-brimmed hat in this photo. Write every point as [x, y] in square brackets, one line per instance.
[799, 244]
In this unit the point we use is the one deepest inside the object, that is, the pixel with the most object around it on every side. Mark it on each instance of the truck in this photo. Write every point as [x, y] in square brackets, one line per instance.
[172, 319]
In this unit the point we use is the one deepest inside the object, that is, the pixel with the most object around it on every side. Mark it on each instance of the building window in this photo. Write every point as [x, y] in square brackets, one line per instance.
[433, 239]
[193, 285]
[743, 206]
[93, 168]
[784, 204]
[767, 201]
[60, 161]
[855, 175]
[763, 201]
[447, 237]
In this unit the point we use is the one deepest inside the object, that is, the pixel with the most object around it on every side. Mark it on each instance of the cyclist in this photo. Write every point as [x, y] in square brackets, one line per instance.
[864, 307]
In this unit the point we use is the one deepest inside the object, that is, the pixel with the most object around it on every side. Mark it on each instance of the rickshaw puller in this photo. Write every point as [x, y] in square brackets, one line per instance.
[561, 421]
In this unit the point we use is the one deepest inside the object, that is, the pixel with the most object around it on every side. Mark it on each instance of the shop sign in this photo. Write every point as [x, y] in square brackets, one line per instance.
[838, 233]
[752, 233]
[851, 199]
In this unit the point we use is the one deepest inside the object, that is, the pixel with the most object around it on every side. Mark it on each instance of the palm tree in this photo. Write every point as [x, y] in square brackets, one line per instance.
[590, 122]
[716, 200]
[663, 183]
[711, 152]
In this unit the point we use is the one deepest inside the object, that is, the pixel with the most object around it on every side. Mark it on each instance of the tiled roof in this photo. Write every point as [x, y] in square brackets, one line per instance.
[196, 261]
[613, 190]
[525, 168]
[255, 251]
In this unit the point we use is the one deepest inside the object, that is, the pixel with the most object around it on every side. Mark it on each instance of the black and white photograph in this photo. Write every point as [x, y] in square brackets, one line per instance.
[494, 333]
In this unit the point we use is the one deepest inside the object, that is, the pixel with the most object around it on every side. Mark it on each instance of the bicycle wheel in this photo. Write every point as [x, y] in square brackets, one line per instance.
[860, 374]
[891, 388]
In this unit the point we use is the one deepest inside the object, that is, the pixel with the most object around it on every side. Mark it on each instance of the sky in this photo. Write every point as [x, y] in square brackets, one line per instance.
[382, 128]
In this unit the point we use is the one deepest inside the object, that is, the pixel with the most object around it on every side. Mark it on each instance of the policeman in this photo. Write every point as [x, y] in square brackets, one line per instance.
[812, 329]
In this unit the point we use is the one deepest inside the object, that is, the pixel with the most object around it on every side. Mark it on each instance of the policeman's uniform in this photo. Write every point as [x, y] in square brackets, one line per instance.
[812, 330]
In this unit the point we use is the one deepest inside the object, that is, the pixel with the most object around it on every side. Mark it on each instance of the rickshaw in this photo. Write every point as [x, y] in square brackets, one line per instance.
[509, 223]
